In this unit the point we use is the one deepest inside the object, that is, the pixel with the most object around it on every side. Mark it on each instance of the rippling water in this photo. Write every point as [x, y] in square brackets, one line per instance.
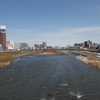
[33, 77]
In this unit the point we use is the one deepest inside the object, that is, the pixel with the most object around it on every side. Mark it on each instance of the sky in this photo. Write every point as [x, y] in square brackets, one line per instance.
[56, 22]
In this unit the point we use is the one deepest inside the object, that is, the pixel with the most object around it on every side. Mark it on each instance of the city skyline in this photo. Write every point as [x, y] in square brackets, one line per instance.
[57, 22]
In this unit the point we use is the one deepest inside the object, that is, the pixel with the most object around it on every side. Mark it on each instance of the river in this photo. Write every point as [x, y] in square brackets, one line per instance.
[33, 77]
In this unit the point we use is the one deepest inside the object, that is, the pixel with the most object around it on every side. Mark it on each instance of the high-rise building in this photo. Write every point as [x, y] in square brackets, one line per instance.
[23, 45]
[44, 45]
[0, 47]
[16, 45]
[3, 40]
[86, 44]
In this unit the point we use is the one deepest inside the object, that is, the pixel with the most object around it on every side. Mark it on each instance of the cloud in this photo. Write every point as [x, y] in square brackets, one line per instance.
[18, 30]
[78, 30]
[88, 29]
[65, 37]
[71, 36]
[72, 32]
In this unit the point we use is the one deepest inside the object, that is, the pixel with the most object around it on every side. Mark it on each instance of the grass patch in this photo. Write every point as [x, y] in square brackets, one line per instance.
[6, 58]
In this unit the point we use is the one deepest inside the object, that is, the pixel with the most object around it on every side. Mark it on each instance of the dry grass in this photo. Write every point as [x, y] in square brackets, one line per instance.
[15, 53]
[2, 64]
[6, 58]
[85, 52]
[93, 61]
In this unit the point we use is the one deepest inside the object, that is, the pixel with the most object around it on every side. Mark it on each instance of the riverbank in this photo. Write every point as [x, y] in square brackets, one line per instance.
[4, 56]
[91, 60]
[7, 57]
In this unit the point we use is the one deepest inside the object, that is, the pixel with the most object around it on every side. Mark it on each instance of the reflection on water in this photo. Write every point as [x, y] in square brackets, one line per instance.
[34, 77]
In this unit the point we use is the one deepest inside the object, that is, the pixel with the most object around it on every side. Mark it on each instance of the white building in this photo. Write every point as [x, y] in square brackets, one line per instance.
[16, 45]
[10, 45]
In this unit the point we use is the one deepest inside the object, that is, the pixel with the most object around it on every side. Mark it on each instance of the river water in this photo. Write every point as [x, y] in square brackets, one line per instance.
[33, 77]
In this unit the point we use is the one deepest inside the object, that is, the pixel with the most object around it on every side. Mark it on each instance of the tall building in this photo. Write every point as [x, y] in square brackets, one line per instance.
[23, 45]
[44, 45]
[16, 45]
[86, 44]
[0, 47]
[3, 40]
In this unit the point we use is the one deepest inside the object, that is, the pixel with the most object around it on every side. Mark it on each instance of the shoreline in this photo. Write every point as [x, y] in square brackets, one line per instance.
[5, 63]
[90, 60]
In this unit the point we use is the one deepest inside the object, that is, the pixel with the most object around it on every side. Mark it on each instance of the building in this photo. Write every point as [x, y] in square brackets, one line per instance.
[78, 45]
[3, 40]
[10, 45]
[98, 46]
[86, 44]
[16, 45]
[44, 45]
[56, 47]
[23, 46]
[49, 47]
[38, 46]
[0, 47]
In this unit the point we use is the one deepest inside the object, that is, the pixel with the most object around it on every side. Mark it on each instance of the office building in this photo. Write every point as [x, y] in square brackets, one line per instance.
[16, 45]
[38, 46]
[23, 46]
[3, 40]
[44, 45]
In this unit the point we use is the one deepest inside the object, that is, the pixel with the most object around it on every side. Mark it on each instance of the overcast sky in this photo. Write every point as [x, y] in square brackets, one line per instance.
[57, 22]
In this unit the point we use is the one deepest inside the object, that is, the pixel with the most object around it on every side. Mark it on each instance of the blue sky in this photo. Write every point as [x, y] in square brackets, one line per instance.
[57, 22]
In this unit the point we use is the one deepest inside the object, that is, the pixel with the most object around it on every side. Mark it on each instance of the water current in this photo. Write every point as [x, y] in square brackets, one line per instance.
[49, 77]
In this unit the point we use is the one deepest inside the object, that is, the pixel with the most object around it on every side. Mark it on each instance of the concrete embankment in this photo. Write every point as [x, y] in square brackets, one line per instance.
[93, 61]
